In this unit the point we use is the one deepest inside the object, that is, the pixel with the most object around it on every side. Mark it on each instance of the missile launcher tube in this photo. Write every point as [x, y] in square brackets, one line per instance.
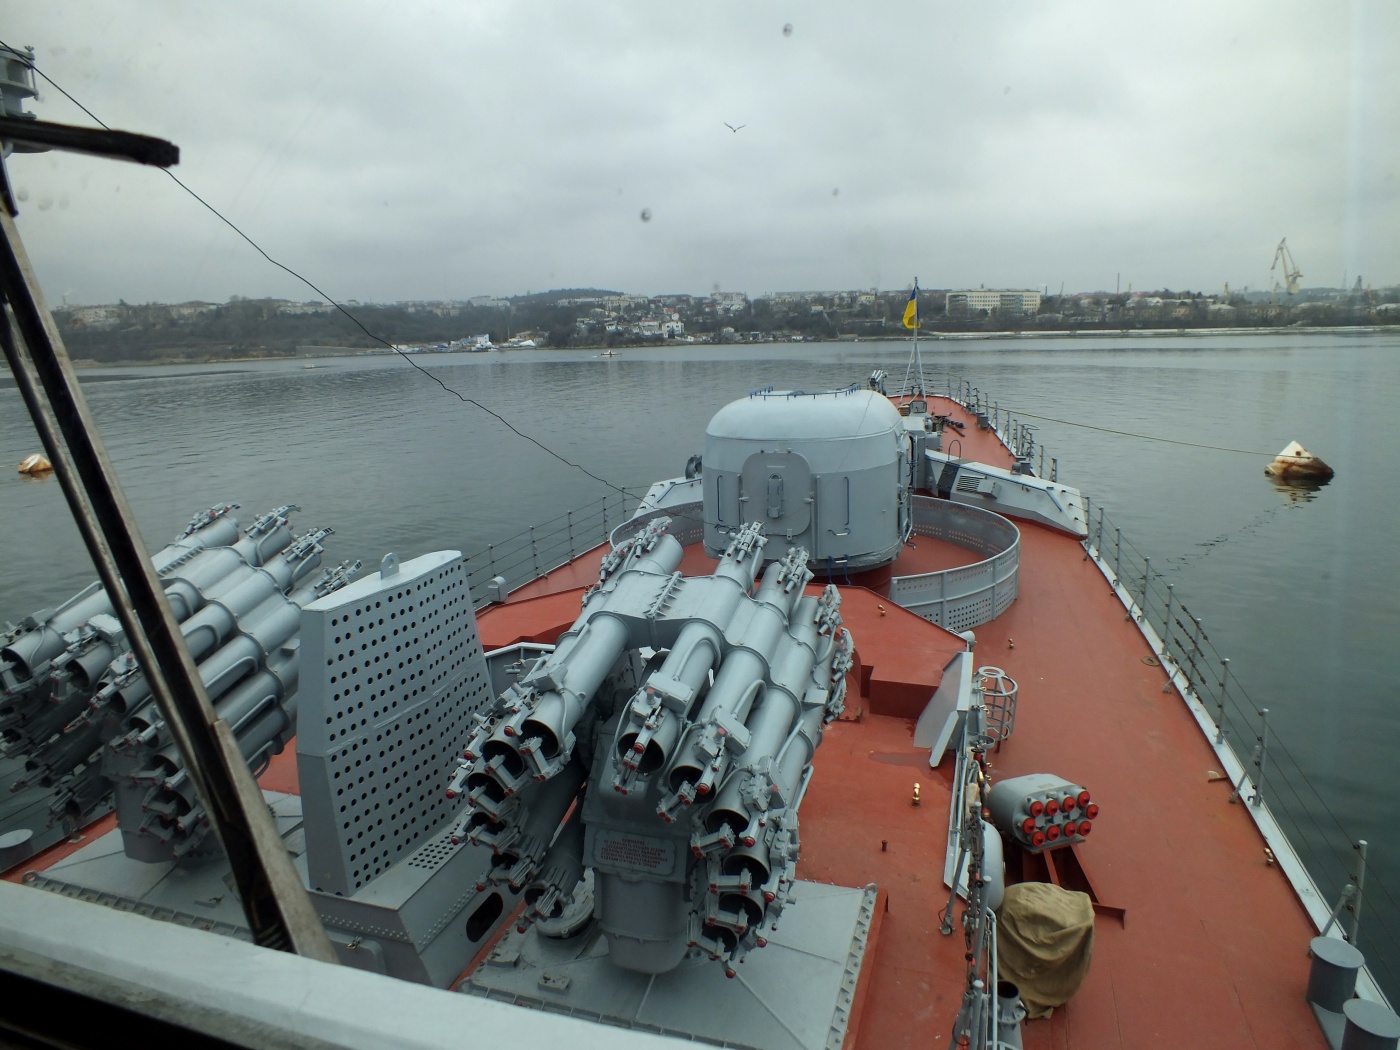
[53, 718]
[560, 872]
[595, 649]
[740, 679]
[583, 657]
[653, 731]
[27, 654]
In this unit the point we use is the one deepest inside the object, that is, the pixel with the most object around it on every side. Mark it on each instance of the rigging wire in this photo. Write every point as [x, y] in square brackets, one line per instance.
[1140, 437]
[353, 319]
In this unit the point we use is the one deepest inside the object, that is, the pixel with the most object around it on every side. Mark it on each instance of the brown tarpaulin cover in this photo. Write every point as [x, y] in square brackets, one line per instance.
[1045, 938]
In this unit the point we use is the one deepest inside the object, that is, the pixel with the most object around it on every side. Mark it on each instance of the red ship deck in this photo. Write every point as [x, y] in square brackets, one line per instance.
[1212, 948]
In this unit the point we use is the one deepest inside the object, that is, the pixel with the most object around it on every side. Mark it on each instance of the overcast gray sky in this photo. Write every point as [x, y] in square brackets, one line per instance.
[445, 150]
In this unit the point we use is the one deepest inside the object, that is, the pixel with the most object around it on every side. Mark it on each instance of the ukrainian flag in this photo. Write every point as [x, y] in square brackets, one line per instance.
[911, 310]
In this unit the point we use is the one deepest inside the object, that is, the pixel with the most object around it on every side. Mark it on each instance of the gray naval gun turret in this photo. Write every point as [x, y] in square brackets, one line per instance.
[671, 733]
[76, 708]
[826, 471]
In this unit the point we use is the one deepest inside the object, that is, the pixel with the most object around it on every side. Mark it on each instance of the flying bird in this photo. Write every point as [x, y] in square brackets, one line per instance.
[732, 128]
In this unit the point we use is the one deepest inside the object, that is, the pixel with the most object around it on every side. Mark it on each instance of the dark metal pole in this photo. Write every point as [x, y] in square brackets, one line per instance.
[278, 909]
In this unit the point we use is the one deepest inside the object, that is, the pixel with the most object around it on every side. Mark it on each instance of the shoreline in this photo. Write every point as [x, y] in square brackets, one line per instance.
[932, 336]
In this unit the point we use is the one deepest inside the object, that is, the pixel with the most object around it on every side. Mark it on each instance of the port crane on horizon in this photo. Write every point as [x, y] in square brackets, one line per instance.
[1291, 274]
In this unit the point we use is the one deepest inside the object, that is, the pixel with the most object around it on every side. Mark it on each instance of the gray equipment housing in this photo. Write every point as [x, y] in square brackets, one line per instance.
[1008, 492]
[399, 676]
[828, 472]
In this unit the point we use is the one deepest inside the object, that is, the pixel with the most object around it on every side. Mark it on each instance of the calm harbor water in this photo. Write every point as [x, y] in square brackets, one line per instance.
[1300, 594]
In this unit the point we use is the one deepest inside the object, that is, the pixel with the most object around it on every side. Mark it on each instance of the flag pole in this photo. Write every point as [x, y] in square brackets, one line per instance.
[918, 357]
[915, 368]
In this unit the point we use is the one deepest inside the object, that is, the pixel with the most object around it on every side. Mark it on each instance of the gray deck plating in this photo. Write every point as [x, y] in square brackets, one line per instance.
[795, 994]
[198, 895]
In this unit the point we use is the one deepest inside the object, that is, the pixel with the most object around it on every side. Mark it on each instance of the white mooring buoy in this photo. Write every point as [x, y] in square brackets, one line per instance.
[35, 464]
[1295, 463]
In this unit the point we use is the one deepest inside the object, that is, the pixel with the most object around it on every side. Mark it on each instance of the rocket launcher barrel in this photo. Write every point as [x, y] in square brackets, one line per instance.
[703, 758]
[216, 526]
[52, 718]
[188, 584]
[220, 669]
[236, 595]
[528, 834]
[560, 871]
[241, 705]
[704, 755]
[771, 721]
[771, 775]
[245, 589]
[60, 758]
[27, 655]
[537, 735]
[743, 556]
[266, 689]
[331, 579]
[266, 536]
[657, 714]
[85, 664]
[597, 645]
[259, 739]
[784, 580]
[271, 624]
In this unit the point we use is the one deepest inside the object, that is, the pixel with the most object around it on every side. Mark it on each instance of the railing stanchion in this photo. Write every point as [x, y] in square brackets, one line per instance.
[1142, 603]
[1263, 756]
[1220, 701]
[1117, 556]
[1088, 532]
[1360, 889]
[1167, 623]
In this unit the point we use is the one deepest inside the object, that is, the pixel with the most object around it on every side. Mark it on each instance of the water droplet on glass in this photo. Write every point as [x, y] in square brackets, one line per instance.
[836, 191]
[21, 194]
[646, 215]
[787, 29]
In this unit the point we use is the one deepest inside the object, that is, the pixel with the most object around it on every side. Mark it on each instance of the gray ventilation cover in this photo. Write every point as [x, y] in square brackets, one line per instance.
[393, 672]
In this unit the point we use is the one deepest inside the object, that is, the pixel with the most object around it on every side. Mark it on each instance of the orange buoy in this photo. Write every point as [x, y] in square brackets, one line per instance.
[35, 464]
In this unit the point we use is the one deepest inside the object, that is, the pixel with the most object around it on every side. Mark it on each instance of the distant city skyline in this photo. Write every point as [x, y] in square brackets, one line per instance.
[451, 151]
[505, 300]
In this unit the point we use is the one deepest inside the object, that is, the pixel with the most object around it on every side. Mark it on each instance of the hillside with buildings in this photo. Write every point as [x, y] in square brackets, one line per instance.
[596, 318]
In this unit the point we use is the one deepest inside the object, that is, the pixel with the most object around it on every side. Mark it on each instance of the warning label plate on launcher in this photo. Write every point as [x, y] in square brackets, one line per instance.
[622, 852]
